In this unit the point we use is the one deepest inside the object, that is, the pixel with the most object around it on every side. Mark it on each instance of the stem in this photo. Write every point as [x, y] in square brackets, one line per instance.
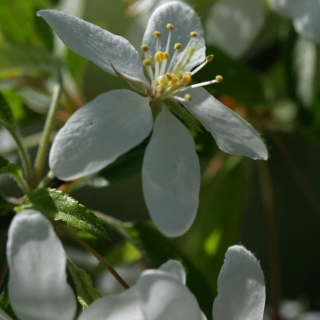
[273, 242]
[43, 147]
[96, 254]
[43, 183]
[23, 153]
[24, 186]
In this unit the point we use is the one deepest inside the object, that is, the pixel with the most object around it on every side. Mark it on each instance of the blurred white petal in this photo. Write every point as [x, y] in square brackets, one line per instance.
[163, 298]
[233, 25]
[175, 269]
[122, 306]
[38, 288]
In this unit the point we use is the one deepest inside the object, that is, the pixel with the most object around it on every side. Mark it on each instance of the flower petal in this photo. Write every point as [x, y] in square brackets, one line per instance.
[163, 298]
[175, 269]
[100, 46]
[232, 25]
[98, 133]
[125, 305]
[287, 8]
[241, 289]
[184, 20]
[232, 134]
[171, 176]
[4, 316]
[38, 285]
[307, 21]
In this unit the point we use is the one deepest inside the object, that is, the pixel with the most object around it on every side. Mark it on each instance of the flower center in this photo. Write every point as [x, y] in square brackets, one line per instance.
[167, 79]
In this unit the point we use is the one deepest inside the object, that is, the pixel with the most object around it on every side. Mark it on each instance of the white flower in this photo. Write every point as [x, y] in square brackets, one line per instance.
[161, 294]
[114, 122]
[38, 288]
[305, 15]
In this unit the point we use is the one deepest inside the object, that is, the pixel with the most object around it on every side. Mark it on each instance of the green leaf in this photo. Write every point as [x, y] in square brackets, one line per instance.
[19, 23]
[18, 60]
[56, 205]
[6, 115]
[5, 304]
[159, 250]
[6, 167]
[86, 294]
[240, 82]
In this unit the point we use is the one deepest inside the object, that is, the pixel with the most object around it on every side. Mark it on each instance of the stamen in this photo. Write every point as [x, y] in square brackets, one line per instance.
[146, 63]
[193, 34]
[177, 47]
[157, 34]
[208, 59]
[159, 56]
[219, 78]
[145, 48]
[188, 97]
[169, 26]
[186, 79]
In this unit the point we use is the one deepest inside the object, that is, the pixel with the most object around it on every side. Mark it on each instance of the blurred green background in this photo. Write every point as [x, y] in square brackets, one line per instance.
[272, 208]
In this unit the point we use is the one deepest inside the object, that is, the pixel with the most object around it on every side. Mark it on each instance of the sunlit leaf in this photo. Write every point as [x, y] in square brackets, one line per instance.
[57, 205]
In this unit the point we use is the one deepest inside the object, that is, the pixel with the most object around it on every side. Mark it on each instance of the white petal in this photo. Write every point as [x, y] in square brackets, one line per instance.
[125, 305]
[307, 21]
[163, 298]
[232, 134]
[4, 316]
[171, 176]
[184, 20]
[100, 46]
[38, 288]
[287, 8]
[232, 25]
[241, 289]
[175, 269]
[98, 133]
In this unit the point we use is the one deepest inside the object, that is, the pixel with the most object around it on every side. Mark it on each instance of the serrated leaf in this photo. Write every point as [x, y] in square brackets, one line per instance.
[57, 205]
[6, 115]
[159, 250]
[86, 294]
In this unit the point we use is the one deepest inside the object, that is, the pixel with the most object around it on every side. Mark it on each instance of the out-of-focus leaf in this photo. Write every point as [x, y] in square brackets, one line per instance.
[6, 167]
[86, 294]
[159, 249]
[18, 60]
[16, 104]
[5, 304]
[124, 252]
[76, 65]
[57, 205]
[19, 23]
[6, 115]
[240, 82]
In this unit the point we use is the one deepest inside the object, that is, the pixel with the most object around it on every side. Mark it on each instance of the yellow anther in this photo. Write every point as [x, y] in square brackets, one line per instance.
[170, 26]
[157, 34]
[174, 80]
[168, 75]
[193, 34]
[162, 80]
[174, 87]
[188, 97]
[219, 79]
[178, 46]
[209, 57]
[159, 57]
[146, 62]
[166, 55]
[189, 73]
[145, 48]
[186, 79]
[158, 88]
